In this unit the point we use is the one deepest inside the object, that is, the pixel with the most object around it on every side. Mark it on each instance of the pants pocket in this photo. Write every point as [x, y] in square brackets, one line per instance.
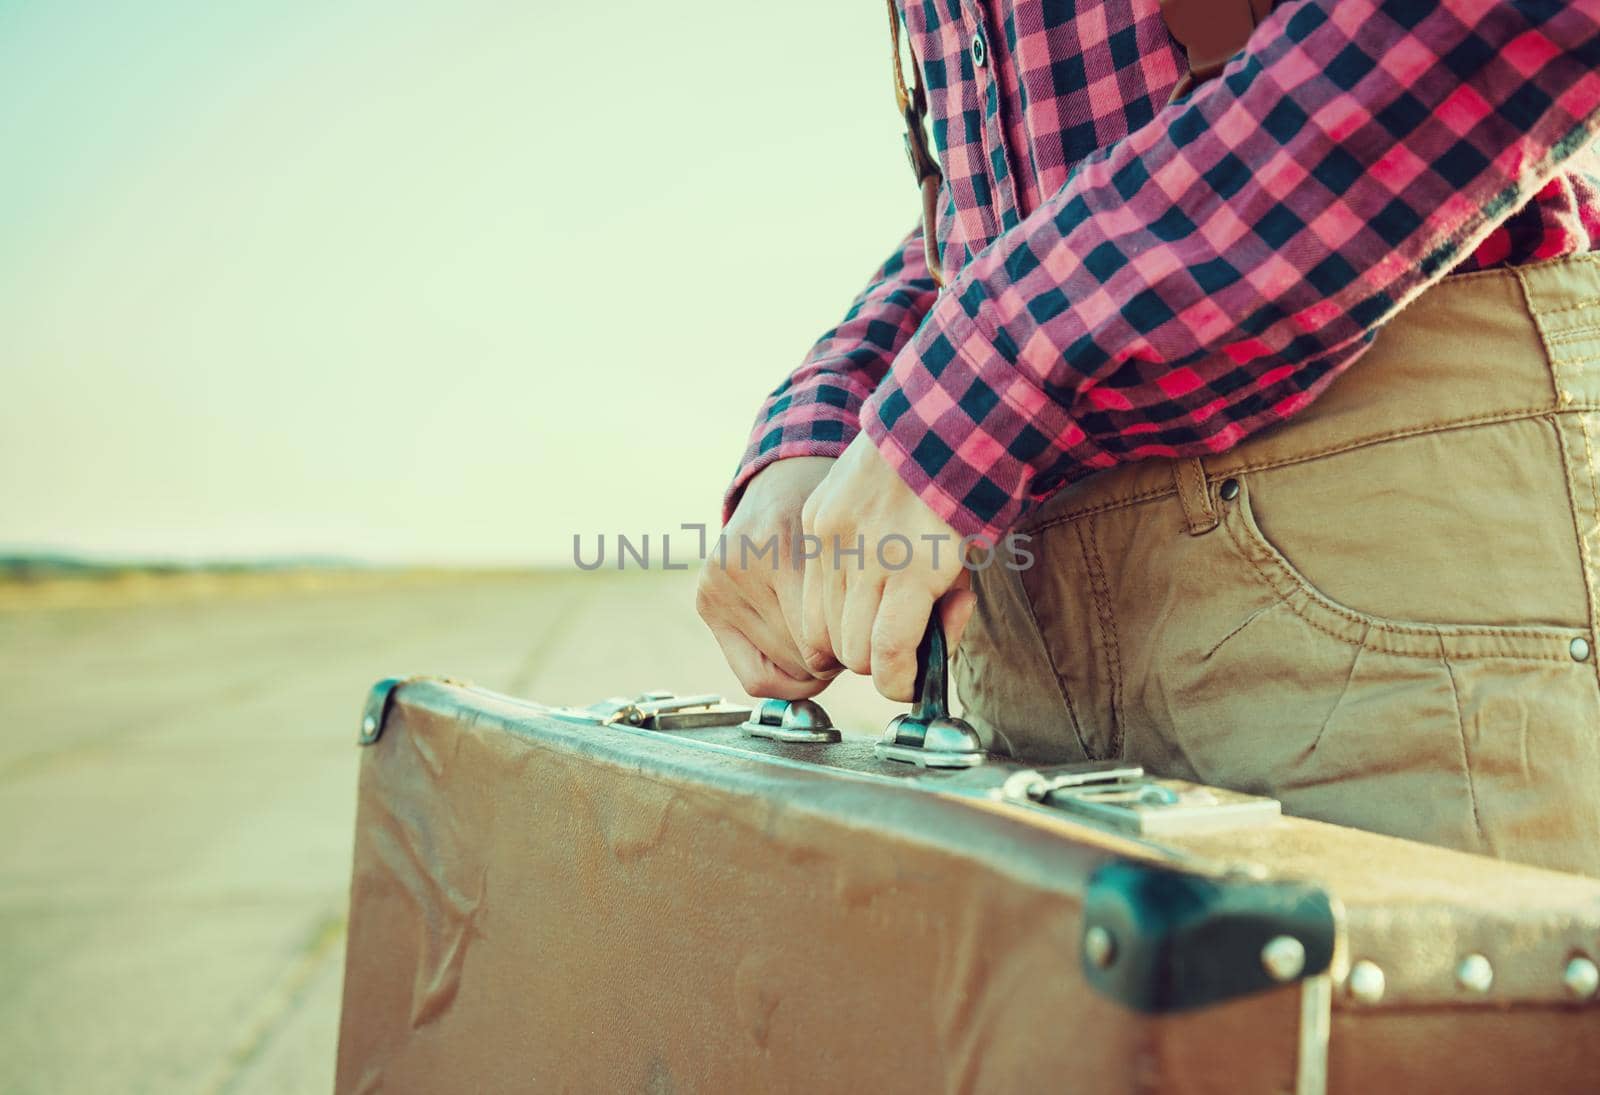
[1474, 735]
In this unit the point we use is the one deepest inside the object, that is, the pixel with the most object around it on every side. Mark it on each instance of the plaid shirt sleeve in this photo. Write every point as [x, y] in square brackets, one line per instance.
[816, 410]
[1212, 272]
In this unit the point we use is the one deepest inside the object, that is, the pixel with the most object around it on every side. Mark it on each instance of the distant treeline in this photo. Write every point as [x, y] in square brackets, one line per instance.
[40, 566]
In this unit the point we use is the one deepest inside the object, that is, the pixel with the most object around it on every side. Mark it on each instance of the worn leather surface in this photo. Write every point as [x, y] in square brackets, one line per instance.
[544, 906]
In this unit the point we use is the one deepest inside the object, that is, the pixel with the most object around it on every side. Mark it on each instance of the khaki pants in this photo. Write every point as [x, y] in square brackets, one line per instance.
[1382, 612]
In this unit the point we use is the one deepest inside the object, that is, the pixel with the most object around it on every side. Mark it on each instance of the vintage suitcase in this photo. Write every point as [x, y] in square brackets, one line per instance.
[665, 896]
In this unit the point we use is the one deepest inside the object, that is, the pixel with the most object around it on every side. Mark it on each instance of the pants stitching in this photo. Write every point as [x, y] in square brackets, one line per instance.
[1466, 754]
[1102, 507]
[1194, 496]
[1496, 418]
[1392, 627]
[1573, 509]
[1115, 654]
[1061, 684]
[1577, 333]
[1583, 536]
[1587, 302]
[1108, 640]
[1585, 553]
[1361, 648]
[1248, 620]
[1249, 557]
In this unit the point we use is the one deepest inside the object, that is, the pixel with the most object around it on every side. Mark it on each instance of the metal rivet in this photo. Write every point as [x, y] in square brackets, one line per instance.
[369, 724]
[980, 52]
[1582, 978]
[1284, 957]
[1579, 649]
[1366, 982]
[1100, 947]
[1475, 974]
[1229, 489]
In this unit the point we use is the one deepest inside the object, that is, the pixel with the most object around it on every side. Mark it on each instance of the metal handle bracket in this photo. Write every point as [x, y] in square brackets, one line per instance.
[931, 737]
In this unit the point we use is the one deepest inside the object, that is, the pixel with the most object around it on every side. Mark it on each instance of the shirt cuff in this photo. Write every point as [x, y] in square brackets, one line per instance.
[756, 464]
[973, 434]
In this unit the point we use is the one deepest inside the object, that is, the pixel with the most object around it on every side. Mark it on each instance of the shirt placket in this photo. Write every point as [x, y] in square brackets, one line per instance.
[982, 56]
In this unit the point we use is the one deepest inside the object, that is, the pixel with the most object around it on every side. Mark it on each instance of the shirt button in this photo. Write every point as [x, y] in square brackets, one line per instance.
[980, 52]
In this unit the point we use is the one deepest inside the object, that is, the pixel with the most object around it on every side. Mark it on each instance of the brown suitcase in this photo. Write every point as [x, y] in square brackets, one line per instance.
[642, 897]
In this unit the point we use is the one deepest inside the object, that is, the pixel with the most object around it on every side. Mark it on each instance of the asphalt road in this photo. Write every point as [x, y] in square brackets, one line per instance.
[177, 776]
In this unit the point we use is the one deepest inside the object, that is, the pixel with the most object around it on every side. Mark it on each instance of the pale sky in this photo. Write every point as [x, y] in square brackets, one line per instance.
[417, 281]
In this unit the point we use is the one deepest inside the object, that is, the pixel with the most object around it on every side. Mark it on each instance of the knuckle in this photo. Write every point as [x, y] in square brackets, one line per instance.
[817, 658]
[891, 650]
[830, 522]
[890, 657]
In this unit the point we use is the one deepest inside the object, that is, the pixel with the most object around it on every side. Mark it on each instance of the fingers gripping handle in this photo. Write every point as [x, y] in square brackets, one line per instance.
[930, 736]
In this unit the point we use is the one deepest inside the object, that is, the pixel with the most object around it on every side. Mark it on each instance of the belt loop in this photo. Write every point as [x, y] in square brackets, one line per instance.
[1199, 515]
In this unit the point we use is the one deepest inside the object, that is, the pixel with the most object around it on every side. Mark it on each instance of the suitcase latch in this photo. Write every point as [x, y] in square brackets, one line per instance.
[1122, 797]
[660, 711]
[1038, 785]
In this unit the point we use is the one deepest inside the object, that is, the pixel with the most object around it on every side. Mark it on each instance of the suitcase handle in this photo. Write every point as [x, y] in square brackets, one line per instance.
[931, 692]
[929, 736]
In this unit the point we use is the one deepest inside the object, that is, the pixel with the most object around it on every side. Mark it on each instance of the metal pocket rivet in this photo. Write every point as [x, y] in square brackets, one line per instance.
[1099, 947]
[1366, 982]
[1229, 489]
[1284, 958]
[369, 724]
[1582, 978]
[1475, 974]
[1579, 648]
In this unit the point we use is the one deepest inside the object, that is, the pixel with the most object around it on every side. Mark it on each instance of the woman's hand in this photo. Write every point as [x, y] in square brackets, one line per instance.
[884, 560]
[750, 593]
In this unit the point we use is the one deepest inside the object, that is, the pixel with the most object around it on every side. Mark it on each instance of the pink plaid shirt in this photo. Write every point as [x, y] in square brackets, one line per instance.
[1131, 279]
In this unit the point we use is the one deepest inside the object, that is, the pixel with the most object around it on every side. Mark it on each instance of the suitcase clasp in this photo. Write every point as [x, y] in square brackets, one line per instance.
[1038, 785]
[1122, 797]
[661, 711]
